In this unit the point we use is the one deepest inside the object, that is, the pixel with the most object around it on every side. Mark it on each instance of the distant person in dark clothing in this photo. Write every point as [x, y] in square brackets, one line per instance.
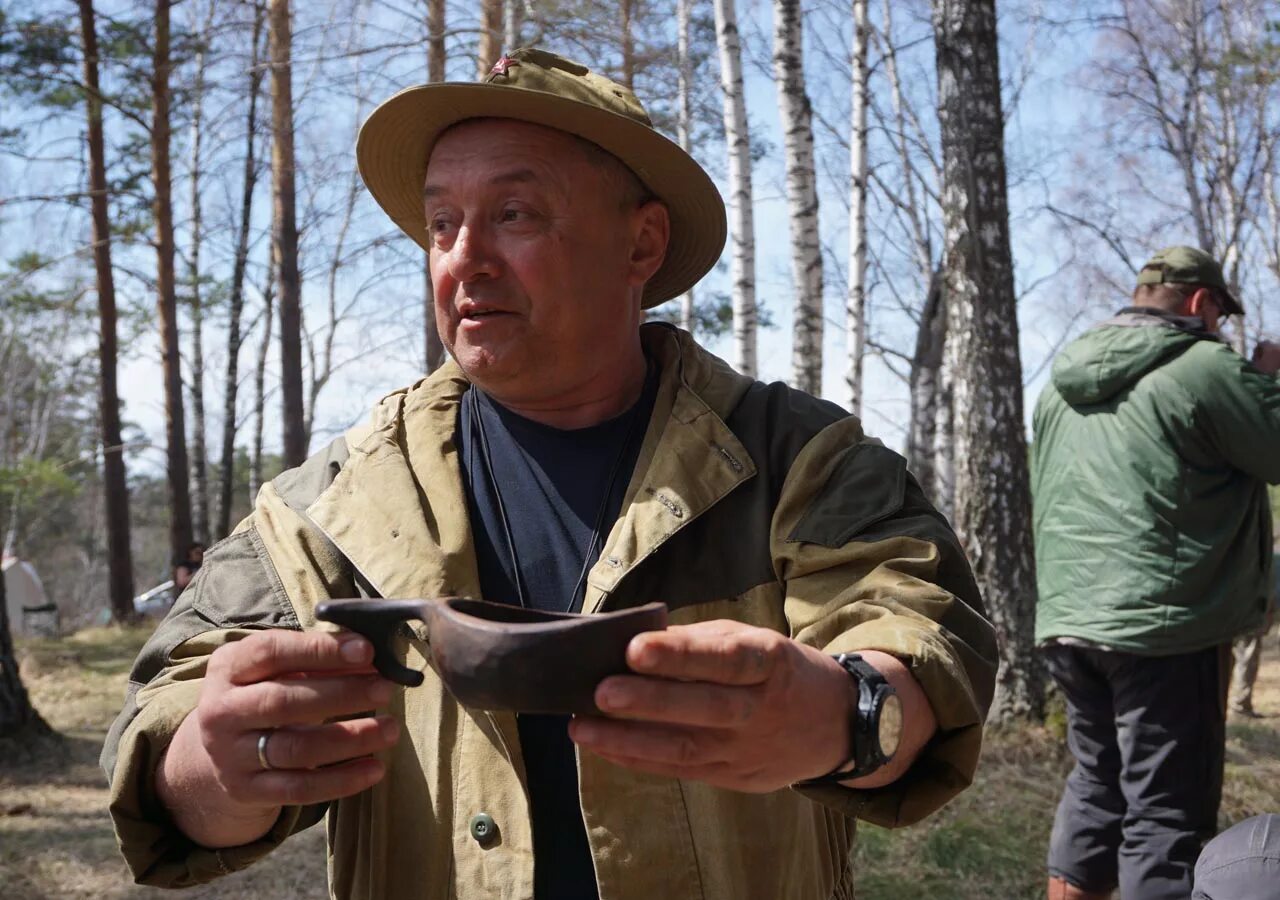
[186, 568]
[1248, 653]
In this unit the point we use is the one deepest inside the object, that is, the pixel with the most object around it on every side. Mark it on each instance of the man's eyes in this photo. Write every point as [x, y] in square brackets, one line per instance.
[443, 224]
[516, 214]
[439, 226]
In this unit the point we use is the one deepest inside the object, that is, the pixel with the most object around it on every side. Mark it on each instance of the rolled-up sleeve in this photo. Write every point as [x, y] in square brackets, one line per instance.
[869, 564]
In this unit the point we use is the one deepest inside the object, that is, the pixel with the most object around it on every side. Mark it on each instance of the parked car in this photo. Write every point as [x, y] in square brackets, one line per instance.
[155, 602]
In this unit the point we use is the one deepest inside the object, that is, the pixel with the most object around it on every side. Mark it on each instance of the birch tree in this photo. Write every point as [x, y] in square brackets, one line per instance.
[856, 306]
[802, 196]
[627, 41]
[737, 136]
[992, 493]
[285, 235]
[512, 25]
[684, 122]
[166, 296]
[432, 345]
[913, 198]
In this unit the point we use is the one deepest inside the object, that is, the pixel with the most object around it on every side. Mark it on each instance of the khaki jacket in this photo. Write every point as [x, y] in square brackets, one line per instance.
[749, 502]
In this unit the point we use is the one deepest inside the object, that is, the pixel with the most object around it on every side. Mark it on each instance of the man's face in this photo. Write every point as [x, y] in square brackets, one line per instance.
[533, 258]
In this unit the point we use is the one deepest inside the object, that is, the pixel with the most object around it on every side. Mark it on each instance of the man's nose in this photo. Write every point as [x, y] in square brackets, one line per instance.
[472, 256]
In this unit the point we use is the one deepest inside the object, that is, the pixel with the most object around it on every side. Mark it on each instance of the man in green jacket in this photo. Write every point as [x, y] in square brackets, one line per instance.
[1154, 444]
[566, 459]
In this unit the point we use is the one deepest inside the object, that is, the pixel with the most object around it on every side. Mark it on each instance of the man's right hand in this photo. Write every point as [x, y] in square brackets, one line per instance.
[1266, 356]
[287, 685]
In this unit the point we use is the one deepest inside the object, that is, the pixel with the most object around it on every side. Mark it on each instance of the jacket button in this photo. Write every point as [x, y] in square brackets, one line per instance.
[483, 828]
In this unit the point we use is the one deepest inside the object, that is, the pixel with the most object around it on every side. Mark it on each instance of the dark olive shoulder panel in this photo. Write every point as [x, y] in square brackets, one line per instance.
[868, 485]
[726, 551]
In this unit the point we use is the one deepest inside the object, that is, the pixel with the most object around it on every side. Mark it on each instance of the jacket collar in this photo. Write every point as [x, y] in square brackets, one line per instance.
[1142, 316]
[410, 540]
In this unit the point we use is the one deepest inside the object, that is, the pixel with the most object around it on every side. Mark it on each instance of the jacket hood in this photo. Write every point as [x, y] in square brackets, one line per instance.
[1114, 354]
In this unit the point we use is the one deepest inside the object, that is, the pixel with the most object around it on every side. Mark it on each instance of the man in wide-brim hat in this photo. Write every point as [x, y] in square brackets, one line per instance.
[827, 658]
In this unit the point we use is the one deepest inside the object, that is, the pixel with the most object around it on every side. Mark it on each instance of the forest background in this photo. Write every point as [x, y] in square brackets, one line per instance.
[193, 162]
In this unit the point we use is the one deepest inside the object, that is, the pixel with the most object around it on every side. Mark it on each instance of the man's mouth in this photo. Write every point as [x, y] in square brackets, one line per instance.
[474, 311]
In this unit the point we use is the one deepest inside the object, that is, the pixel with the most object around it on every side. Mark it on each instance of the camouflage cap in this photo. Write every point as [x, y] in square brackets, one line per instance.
[1189, 265]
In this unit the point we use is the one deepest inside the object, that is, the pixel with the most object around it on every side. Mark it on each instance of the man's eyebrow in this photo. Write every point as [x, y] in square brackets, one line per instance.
[515, 176]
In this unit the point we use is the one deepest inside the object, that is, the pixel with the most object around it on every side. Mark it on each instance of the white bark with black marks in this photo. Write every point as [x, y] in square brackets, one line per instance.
[856, 301]
[992, 493]
[684, 120]
[737, 136]
[802, 196]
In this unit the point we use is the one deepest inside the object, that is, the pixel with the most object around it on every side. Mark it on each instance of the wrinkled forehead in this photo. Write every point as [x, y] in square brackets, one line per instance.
[535, 137]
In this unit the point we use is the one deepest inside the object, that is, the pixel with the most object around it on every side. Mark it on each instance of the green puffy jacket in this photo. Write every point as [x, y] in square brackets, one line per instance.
[1153, 446]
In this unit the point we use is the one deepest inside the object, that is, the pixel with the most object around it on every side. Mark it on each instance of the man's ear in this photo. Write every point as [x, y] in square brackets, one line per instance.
[1196, 302]
[650, 233]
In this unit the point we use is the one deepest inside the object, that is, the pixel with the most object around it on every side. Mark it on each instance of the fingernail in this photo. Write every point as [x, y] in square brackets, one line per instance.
[583, 732]
[390, 729]
[380, 691]
[355, 648]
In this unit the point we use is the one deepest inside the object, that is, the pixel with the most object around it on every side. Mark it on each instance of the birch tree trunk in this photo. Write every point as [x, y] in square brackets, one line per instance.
[626, 31]
[115, 488]
[490, 35]
[684, 121]
[285, 237]
[856, 308]
[926, 393]
[737, 135]
[512, 25]
[166, 298]
[432, 345]
[802, 196]
[992, 493]
[231, 385]
[199, 449]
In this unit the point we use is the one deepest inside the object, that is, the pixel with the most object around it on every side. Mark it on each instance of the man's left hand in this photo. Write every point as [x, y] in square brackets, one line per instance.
[733, 705]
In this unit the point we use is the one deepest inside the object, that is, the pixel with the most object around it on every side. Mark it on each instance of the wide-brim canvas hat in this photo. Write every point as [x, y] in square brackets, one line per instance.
[539, 87]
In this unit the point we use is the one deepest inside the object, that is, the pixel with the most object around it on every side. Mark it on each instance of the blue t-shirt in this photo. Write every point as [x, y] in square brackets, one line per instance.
[537, 531]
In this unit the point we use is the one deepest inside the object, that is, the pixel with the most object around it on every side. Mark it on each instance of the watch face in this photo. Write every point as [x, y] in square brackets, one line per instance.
[890, 725]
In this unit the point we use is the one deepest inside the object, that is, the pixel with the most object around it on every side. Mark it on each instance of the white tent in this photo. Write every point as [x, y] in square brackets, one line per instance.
[22, 589]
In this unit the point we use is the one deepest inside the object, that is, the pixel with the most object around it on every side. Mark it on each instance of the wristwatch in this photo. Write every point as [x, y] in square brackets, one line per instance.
[875, 726]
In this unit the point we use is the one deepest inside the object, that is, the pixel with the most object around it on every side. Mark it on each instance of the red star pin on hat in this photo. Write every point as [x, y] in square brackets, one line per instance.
[503, 64]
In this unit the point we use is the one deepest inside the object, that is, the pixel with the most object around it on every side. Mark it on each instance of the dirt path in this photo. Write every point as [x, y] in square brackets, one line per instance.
[56, 840]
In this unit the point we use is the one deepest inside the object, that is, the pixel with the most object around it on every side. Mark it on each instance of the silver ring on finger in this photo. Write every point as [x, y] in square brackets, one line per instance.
[262, 750]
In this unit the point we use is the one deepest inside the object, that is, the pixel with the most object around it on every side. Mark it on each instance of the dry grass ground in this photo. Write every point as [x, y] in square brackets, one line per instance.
[56, 841]
[55, 836]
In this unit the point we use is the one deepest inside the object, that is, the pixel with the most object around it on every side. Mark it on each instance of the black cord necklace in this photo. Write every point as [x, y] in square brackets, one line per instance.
[594, 543]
